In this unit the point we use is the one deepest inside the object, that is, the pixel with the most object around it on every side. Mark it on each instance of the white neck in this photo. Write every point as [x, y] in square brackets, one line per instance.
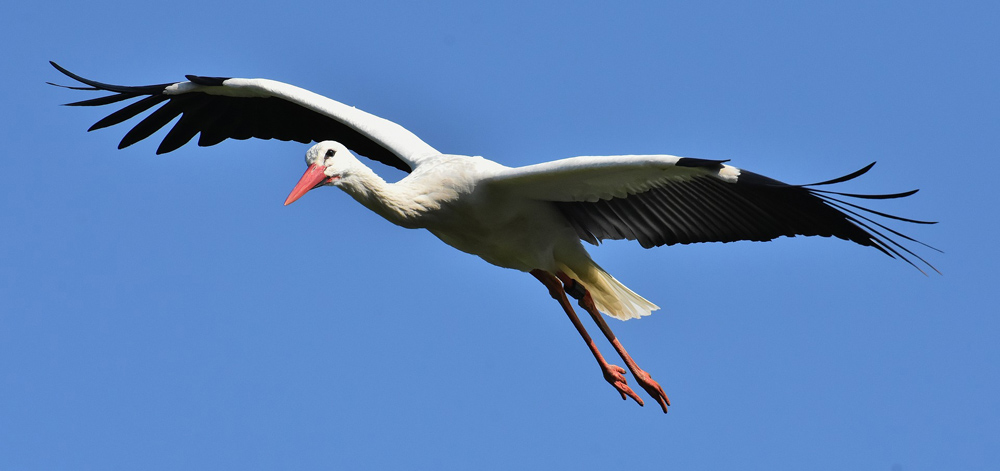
[396, 202]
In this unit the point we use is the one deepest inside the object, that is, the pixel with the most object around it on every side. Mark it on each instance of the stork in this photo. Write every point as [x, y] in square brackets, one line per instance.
[532, 218]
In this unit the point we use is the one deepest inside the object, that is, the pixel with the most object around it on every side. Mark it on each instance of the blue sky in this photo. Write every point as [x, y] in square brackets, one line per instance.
[167, 312]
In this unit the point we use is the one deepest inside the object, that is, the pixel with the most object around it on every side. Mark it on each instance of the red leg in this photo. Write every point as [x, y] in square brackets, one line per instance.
[641, 377]
[613, 374]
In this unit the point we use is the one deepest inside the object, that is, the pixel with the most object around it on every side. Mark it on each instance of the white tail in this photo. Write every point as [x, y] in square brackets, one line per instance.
[610, 295]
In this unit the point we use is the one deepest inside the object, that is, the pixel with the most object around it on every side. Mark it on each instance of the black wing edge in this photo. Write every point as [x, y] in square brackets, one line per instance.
[878, 238]
[215, 118]
[757, 208]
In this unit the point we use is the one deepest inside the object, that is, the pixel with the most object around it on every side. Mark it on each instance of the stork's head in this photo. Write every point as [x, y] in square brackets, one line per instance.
[327, 162]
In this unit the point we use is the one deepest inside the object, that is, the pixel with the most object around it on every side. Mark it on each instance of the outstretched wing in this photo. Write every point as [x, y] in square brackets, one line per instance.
[221, 108]
[665, 200]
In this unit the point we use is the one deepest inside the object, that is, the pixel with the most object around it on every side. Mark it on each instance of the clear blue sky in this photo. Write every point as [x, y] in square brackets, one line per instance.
[167, 312]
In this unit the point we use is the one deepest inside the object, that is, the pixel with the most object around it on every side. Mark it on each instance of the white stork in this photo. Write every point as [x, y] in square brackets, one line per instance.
[530, 218]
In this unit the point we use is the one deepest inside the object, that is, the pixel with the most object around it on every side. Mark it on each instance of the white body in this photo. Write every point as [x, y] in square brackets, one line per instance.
[465, 202]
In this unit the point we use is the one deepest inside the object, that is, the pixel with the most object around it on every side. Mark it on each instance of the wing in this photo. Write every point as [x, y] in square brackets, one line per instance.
[665, 200]
[220, 108]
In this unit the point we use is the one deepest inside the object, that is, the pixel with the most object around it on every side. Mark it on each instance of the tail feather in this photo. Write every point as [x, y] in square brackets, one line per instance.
[610, 295]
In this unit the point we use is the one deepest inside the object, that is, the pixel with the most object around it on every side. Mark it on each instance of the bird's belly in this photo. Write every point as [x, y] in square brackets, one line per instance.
[522, 241]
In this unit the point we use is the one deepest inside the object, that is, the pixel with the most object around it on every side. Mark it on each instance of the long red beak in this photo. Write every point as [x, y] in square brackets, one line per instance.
[313, 177]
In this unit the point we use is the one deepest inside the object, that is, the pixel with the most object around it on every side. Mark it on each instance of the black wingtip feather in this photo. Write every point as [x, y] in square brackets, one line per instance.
[141, 90]
[849, 176]
[72, 87]
[104, 100]
[869, 197]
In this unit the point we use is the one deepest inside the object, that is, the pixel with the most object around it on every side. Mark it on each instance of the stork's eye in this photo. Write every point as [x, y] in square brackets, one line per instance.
[330, 152]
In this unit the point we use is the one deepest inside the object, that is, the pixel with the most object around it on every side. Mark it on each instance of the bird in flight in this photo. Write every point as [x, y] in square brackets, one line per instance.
[532, 218]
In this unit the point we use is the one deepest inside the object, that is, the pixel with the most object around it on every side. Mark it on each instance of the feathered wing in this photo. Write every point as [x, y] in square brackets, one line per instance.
[218, 108]
[665, 200]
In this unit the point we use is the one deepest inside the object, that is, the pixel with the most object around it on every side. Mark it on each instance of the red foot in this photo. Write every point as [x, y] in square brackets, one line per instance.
[615, 375]
[651, 387]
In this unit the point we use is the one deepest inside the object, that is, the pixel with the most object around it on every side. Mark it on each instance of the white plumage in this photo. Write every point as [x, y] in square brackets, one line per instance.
[485, 209]
[531, 218]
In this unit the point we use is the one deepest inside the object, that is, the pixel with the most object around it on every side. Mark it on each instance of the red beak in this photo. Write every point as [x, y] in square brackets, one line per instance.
[313, 177]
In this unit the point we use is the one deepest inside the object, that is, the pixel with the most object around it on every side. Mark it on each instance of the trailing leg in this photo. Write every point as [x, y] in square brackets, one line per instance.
[613, 374]
[578, 291]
